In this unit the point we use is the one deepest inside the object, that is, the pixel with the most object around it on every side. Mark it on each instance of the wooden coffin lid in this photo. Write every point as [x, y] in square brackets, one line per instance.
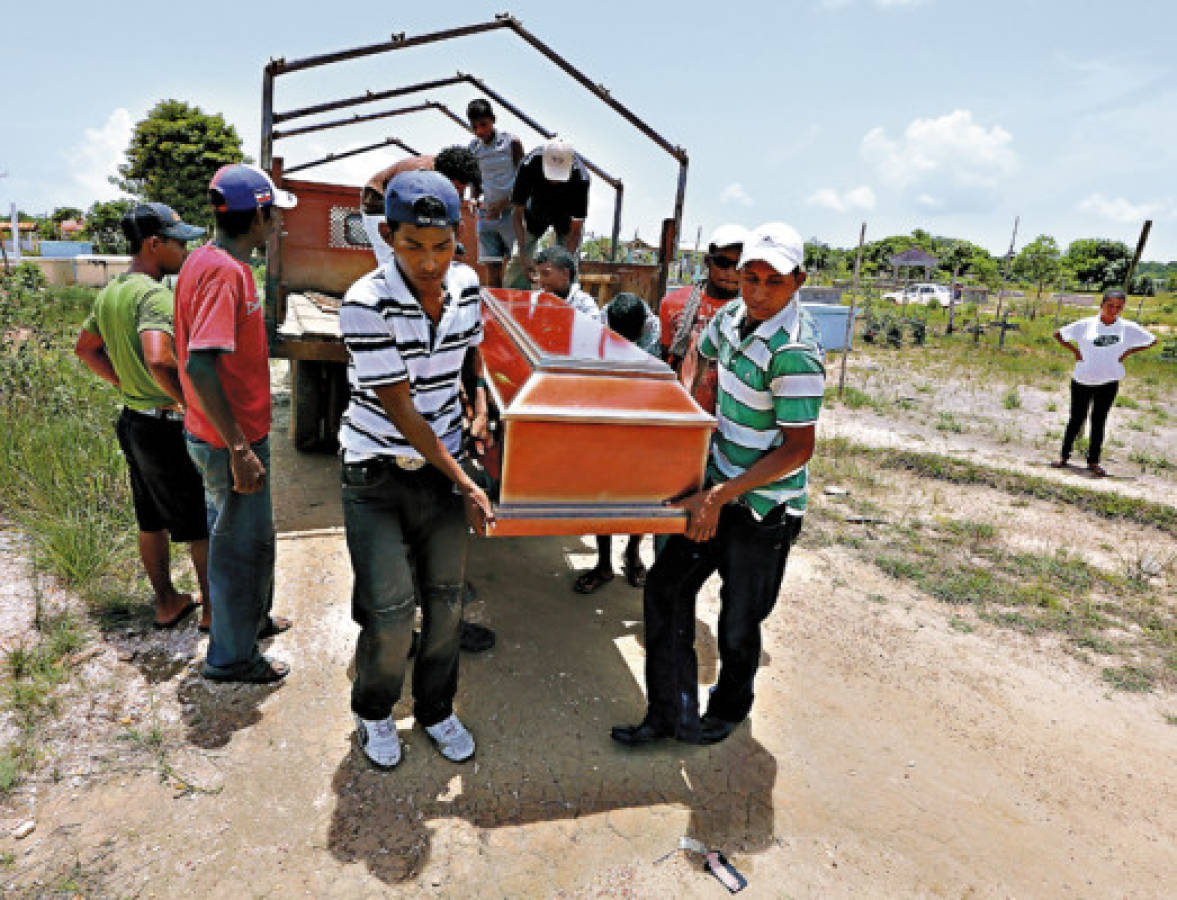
[548, 362]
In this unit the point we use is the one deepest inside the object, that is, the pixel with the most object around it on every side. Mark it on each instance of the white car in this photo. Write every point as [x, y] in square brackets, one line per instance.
[922, 292]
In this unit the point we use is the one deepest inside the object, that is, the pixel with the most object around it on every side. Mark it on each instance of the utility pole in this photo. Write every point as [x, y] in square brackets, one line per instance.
[1009, 262]
[16, 241]
[1136, 259]
[850, 316]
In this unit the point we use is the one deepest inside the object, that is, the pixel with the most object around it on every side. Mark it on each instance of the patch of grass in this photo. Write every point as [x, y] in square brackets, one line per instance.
[946, 421]
[899, 567]
[1126, 402]
[1052, 406]
[956, 623]
[1129, 678]
[1011, 399]
[852, 397]
[1105, 504]
[1151, 461]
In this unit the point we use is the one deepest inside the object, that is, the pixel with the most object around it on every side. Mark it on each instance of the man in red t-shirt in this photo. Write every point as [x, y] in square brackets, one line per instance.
[684, 312]
[722, 285]
[224, 368]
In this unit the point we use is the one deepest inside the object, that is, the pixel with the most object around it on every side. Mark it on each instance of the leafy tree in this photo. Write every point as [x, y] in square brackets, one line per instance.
[65, 213]
[103, 228]
[1098, 262]
[174, 152]
[1038, 262]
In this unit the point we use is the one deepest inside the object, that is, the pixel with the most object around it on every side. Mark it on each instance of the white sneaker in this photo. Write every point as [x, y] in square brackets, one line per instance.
[452, 739]
[380, 741]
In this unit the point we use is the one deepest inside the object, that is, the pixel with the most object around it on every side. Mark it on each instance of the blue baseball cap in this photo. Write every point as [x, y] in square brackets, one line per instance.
[402, 193]
[243, 187]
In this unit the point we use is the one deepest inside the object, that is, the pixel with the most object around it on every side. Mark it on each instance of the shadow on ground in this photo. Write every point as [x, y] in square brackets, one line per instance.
[541, 705]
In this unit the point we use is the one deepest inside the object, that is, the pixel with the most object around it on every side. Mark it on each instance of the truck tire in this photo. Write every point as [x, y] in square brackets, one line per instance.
[307, 402]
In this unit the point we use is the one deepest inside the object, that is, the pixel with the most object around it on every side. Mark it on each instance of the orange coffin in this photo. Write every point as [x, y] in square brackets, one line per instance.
[595, 433]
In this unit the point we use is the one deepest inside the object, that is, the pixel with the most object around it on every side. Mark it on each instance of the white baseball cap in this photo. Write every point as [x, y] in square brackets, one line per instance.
[728, 235]
[558, 158]
[777, 244]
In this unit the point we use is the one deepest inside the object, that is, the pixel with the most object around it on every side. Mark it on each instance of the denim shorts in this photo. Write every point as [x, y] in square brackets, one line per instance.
[496, 237]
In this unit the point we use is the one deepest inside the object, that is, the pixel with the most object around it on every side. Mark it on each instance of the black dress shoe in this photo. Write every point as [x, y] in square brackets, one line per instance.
[643, 733]
[714, 729]
[476, 638]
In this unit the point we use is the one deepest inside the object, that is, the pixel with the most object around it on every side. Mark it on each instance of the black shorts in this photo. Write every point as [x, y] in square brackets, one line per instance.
[167, 489]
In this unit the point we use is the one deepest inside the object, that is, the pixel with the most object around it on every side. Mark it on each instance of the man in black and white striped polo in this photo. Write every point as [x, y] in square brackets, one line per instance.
[411, 327]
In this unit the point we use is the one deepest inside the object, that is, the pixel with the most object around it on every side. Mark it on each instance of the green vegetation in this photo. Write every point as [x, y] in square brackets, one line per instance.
[31, 672]
[63, 483]
[966, 562]
[175, 149]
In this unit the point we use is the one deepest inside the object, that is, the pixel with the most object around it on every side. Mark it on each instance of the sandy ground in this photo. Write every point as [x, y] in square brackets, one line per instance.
[889, 754]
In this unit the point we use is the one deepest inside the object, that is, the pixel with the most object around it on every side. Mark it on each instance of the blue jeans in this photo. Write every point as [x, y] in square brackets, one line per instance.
[388, 513]
[496, 237]
[750, 557]
[240, 556]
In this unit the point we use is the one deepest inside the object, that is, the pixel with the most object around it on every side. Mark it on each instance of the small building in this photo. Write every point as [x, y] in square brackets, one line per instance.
[913, 257]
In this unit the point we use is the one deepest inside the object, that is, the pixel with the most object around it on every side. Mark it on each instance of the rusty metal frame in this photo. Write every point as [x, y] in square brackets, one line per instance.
[333, 157]
[460, 77]
[400, 41]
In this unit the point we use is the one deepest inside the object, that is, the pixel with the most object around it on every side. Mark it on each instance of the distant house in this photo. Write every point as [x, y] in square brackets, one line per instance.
[913, 257]
[28, 235]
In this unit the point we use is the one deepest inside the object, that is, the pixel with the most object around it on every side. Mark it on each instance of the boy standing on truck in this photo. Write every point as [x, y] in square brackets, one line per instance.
[224, 363]
[499, 154]
[411, 327]
[127, 340]
[551, 191]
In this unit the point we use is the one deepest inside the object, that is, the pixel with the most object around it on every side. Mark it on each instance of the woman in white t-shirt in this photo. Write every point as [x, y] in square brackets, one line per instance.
[1100, 343]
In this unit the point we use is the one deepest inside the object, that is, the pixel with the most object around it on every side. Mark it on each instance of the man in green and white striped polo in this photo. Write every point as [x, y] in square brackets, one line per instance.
[743, 522]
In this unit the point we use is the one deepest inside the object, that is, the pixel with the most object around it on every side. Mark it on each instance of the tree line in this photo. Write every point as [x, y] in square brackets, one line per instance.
[1086, 264]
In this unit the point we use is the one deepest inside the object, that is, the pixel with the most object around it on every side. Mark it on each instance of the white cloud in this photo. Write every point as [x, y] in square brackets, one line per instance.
[1119, 209]
[861, 197]
[93, 161]
[735, 193]
[953, 158]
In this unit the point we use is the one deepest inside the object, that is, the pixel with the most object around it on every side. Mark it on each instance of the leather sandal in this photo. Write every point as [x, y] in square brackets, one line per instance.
[591, 580]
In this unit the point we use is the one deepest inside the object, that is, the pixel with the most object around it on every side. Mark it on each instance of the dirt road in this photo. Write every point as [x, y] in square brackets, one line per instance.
[889, 754]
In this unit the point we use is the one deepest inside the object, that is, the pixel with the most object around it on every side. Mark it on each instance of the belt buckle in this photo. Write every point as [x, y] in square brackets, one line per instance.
[409, 463]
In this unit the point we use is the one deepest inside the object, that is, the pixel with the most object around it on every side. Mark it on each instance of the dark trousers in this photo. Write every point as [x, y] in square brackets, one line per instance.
[750, 557]
[1099, 399]
[389, 513]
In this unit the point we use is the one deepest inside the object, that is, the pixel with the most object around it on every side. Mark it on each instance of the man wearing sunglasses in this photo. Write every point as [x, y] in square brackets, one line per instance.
[684, 311]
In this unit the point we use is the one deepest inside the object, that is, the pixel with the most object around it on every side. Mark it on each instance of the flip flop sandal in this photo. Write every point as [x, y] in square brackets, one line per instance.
[635, 573]
[276, 625]
[261, 671]
[591, 580]
[179, 617]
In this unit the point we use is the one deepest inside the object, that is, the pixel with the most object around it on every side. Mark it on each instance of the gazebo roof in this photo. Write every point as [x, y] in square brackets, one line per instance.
[914, 256]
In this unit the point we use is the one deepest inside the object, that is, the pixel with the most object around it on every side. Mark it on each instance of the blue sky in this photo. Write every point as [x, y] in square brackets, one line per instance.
[947, 115]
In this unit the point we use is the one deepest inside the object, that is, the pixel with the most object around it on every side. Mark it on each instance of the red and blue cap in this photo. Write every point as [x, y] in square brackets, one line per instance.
[241, 187]
[403, 192]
